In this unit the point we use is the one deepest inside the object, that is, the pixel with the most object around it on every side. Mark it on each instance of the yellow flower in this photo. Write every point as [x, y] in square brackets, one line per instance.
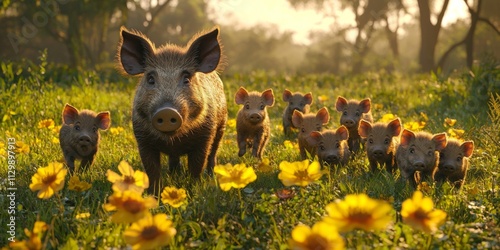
[424, 187]
[173, 196]
[448, 122]
[22, 148]
[3, 152]
[290, 145]
[116, 130]
[237, 176]
[150, 232]
[359, 211]
[82, 216]
[299, 173]
[76, 185]
[55, 140]
[129, 180]
[387, 118]
[264, 166]
[231, 123]
[419, 213]
[48, 123]
[48, 180]
[130, 206]
[414, 126]
[322, 236]
[322, 98]
[456, 133]
[34, 240]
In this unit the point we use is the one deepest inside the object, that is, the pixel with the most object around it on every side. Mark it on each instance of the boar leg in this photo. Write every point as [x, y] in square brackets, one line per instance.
[242, 144]
[86, 162]
[373, 165]
[70, 161]
[151, 160]
[258, 140]
[212, 157]
[389, 165]
[262, 145]
[197, 159]
[174, 163]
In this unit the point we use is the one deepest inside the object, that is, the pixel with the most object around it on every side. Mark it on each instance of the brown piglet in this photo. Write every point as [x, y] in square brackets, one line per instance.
[417, 155]
[454, 162]
[79, 135]
[296, 101]
[179, 105]
[331, 146]
[352, 112]
[307, 123]
[380, 142]
[253, 127]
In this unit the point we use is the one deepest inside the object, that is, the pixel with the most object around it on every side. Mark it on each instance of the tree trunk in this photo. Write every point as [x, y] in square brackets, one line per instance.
[429, 34]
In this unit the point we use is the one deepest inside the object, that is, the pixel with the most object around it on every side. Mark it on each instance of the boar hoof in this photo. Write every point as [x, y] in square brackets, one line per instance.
[167, 120]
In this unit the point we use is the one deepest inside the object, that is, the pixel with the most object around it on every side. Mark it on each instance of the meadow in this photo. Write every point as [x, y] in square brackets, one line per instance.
[255, 217]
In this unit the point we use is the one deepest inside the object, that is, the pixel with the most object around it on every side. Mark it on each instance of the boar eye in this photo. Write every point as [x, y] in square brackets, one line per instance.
[262, 107]
[430, 153]
[321, 147]
[318, 128]
[186, 77]
[247, 106]
[77, 127]
[303, 130]
[94, 129]
[357, 113]
[459, 158]
[151, 79]
[387, 141]
[291, 103]
[337, 145]
[345, 113]
[370, 141]
[302, 104]
[412, 150]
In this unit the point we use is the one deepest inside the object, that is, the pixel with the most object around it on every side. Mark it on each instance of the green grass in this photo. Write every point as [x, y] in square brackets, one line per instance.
[216, 219]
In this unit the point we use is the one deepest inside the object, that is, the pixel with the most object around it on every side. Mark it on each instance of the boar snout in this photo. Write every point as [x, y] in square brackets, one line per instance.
[167, 119]
[255, 118]
[332, 159]
[448, 168]
[378, 154]
[85, 139]
[348, 123]
[419, 165]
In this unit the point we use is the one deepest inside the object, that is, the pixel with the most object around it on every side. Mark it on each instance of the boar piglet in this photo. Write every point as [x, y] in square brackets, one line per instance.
[253, 126]
[79, 135]
[454, 162]
[331, 146]
[307, 123]
[352, 112]
[179, 105]
[380, 142]
[417, 155]
[296, 101]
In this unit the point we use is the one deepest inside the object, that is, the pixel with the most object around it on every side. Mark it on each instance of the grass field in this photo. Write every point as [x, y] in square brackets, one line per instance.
[254, 217]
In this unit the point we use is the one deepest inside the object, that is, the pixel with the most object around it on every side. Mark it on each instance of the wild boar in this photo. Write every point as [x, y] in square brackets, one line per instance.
[454, 162]
[380, 142]
[331, 146]
[79, 135]
[253, 126]
[307, 123]
[352, 112]
[179, 106]
[296, 101]
[417, 155]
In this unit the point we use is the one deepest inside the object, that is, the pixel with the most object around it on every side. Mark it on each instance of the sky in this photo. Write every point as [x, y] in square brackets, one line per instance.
[248, 13]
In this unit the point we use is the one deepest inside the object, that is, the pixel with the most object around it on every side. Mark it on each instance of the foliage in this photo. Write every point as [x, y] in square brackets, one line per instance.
[264, 213]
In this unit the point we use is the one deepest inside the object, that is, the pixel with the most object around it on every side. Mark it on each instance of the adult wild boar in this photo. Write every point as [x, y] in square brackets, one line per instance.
[179, 106]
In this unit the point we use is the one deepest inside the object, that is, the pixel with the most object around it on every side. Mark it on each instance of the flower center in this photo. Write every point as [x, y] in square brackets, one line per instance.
[173, 195]
[301, 174]
[47, 180]
[420, 215]
[316, 242]
[129, 179]
[150, 232]
[360, 217]
[133, 206]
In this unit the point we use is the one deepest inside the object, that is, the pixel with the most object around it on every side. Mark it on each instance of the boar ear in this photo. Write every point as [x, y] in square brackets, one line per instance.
[341, 103]
[268, 97]
[70, 114]
[134, 49]
[286, 95]
[395, 127]
[364, 128]
[406, 137]
[323, 115]
[297, 118]
[343, 132]
[206, 51]
[241, 96]
[314, 138]
[440, 140]
[103, 120]
[365, 105]
[467, 148]
[308, 98]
